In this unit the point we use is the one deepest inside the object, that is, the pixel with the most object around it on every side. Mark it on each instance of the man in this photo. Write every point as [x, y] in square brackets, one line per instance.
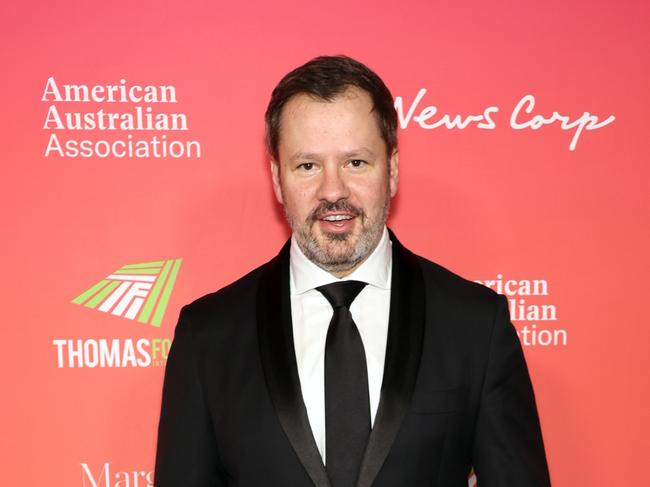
[346, 360]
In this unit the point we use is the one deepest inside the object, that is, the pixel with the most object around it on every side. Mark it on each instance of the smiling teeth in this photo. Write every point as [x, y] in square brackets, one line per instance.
[336, 218]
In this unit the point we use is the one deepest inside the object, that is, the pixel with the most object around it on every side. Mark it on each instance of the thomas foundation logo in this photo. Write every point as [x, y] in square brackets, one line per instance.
[133, 291]
[138, 292]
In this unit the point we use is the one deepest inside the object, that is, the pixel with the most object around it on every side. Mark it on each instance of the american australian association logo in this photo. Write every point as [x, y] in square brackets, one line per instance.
[138, 292]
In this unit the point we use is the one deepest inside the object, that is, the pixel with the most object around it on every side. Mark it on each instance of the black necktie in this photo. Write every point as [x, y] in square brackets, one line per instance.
[347, 404]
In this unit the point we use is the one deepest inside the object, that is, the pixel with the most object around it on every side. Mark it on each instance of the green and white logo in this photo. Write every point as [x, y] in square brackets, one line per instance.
[135, 291]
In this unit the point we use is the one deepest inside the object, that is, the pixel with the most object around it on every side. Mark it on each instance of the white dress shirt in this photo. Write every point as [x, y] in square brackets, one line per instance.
[311, 314]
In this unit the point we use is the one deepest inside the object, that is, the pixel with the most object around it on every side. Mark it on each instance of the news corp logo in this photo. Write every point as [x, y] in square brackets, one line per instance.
[137, 292]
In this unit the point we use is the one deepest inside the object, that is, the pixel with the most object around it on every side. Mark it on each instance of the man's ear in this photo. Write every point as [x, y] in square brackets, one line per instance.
[275, 176]
[394, 172]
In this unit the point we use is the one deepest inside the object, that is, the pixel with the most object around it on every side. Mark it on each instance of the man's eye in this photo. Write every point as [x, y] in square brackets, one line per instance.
[306, 166]
[357, 162]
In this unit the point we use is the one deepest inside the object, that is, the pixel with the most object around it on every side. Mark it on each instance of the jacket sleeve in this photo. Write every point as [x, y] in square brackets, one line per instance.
[508, 447]
[187, 452]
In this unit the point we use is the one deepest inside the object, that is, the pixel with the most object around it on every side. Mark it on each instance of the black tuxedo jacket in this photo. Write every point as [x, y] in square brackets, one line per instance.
[456, 391]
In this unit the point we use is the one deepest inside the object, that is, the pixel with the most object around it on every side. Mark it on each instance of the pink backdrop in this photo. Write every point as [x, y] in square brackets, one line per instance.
[484, 202]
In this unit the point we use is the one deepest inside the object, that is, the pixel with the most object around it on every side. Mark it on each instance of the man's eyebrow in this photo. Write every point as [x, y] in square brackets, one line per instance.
[361, 151]
[304, 155]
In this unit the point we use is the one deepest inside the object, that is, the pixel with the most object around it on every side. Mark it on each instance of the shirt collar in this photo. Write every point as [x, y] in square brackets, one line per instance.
[375, 270]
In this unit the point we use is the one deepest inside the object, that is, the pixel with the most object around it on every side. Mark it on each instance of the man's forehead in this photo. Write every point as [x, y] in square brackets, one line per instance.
[345, 126]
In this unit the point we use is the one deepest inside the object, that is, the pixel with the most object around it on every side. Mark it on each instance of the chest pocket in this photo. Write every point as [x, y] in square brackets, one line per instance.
[435, 401]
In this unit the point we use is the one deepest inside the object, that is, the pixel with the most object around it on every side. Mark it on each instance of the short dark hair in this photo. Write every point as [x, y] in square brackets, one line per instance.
[325, 77]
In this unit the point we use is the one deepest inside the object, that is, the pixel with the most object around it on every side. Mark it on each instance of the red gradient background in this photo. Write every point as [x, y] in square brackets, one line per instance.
[480, 202]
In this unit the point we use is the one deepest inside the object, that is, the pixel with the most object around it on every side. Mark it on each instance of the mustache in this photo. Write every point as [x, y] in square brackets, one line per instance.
[327, 207]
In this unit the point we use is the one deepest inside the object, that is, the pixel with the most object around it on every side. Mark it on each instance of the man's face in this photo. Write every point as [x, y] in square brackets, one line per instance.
[332, 178]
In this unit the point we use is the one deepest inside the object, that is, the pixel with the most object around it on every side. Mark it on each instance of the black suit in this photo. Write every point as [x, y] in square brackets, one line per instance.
[455, 392]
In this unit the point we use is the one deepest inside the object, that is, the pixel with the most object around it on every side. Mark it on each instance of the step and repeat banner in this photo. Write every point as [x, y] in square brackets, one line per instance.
[134, 180]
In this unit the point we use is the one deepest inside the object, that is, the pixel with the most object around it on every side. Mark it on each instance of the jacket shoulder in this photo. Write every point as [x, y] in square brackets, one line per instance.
[453, 286]
[228, 304]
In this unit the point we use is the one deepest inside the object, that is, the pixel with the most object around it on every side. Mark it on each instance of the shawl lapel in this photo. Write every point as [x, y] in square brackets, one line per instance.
[279, 363]
[403, 351]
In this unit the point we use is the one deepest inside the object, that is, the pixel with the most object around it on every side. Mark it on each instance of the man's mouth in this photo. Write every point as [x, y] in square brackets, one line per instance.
[337, 218]
[334, 223]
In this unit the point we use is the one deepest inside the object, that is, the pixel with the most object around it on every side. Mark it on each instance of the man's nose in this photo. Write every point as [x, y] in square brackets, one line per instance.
[332, 185]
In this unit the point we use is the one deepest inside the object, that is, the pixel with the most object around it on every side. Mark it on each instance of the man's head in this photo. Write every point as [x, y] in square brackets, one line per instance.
[331, 131]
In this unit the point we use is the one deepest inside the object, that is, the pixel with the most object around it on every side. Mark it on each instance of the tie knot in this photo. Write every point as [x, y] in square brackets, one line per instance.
[341, 293]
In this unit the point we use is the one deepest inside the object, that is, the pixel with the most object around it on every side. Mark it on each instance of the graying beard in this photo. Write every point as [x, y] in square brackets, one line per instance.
[315, 253]
[367, 243]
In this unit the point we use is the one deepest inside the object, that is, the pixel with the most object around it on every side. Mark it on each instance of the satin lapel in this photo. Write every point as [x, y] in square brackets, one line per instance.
[403, 351]
[279, 364]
